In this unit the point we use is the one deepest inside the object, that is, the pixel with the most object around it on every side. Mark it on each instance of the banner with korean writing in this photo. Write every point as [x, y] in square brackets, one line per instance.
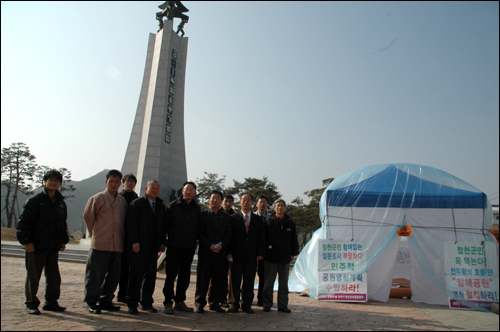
[339, 274]
[471, 272]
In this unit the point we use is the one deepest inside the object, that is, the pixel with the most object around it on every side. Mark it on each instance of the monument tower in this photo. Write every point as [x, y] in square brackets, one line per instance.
[156, 147]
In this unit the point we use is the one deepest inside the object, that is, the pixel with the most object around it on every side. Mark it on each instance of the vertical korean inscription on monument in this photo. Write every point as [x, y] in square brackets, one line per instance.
[171, 90]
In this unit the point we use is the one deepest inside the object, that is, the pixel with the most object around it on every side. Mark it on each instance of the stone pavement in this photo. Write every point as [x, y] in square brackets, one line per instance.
[307, 313]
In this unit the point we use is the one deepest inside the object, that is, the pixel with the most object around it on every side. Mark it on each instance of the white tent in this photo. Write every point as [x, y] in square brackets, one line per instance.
[372, 203]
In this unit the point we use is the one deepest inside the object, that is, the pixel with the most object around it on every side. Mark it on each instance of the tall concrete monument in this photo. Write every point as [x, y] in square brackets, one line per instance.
[156, 147]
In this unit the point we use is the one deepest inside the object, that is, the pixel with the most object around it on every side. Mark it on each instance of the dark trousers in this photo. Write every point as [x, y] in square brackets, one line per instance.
[210, 273]
[102, 275]
[177, 265]
[245, 271]
[36, 262]
[282, 270]
[142, 277]
[124, 274]
[227, 289]
[261, 272]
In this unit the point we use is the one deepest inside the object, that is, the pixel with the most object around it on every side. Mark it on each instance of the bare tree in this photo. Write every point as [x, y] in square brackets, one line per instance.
[18, 170]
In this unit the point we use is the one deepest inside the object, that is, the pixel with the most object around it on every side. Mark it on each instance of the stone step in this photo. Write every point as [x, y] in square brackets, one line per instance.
[72, 253]
[68, 255]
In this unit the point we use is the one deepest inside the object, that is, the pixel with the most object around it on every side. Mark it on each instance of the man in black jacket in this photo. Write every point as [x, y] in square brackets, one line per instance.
[262, 203]
[145, 226]
[182, 224]
[281, 247]
[227, 207]
[43, 231]
[246, 249]
[129, 181]
[227, 204]
[214, 233]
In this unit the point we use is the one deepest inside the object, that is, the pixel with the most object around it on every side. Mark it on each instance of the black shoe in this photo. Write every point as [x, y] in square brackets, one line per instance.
[150, 309]
[53, 307]
[233, 309]
[224, 304]
[285, 309]
[266, 309]
[133, 311]
[93, 308]
[108, 306]
[168, 309]
[248, 310]
[32, 311]
[200, 310]
[217, 308]
[181, 306]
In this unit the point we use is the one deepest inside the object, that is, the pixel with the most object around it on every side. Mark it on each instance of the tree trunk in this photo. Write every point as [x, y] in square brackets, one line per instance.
[12, 209]
[7, 209]
[11, 212]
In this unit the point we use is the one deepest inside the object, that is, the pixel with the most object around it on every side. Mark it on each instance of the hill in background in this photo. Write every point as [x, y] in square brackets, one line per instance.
[84, 190]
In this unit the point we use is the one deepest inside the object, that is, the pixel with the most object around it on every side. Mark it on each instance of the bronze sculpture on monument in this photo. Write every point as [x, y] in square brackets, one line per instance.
[173, 9]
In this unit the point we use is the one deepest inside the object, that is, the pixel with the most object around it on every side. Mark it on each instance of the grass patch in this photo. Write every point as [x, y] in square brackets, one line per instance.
[8, 234]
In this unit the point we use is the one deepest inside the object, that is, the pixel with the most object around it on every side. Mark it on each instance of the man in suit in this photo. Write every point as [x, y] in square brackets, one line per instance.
[145, 225]
[247, 248]
[129, 181]
[262, 203]
[214, 233]
[227, 207]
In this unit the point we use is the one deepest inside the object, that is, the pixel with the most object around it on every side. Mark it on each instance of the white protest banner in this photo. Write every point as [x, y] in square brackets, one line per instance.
[471, 273]
[340, 277]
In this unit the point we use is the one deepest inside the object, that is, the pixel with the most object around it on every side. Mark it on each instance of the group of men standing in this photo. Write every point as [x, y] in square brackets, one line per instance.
[127, 232]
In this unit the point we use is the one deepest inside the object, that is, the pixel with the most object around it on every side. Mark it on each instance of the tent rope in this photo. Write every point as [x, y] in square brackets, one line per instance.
[379, 224]
[352, 225]
[484, 203]
[454, 225]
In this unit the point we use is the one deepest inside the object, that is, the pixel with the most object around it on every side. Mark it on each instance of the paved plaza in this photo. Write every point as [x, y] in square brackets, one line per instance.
[307, 313]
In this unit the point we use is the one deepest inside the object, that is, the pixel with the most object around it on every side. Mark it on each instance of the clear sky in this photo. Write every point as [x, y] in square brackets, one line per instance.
[296, 91]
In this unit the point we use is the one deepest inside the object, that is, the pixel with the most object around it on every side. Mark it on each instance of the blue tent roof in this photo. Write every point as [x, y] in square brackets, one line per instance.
[403, 186]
